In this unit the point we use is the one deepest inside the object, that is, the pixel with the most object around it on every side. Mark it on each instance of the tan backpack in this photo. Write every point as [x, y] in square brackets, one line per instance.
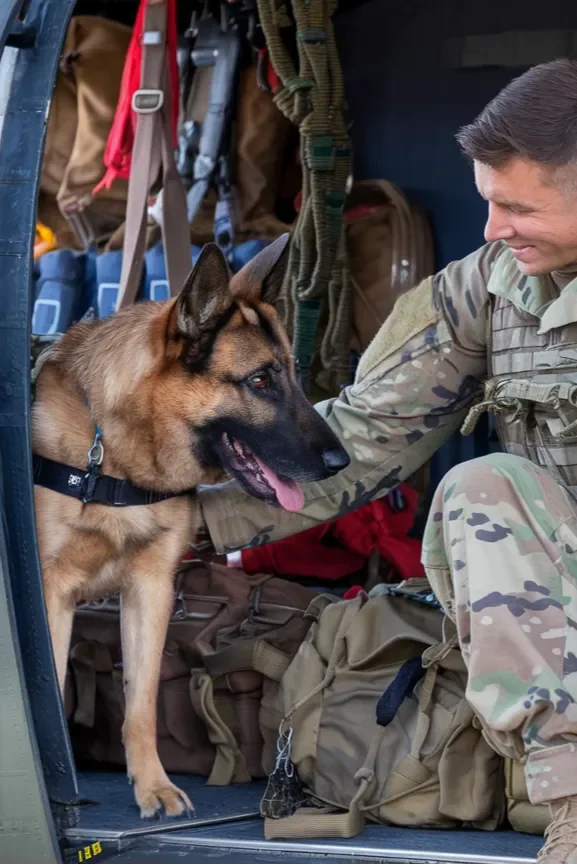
[81, 115]
[389, 250]
[522, 814]
[426, 764]
[230, 639]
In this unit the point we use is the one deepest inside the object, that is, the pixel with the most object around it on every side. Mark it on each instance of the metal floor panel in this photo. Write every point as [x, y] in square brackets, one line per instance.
[116, 824]
[154, 851]
[397, 844]
[115, 810]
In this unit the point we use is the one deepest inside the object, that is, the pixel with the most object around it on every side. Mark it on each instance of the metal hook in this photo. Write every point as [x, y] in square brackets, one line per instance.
[96, 453]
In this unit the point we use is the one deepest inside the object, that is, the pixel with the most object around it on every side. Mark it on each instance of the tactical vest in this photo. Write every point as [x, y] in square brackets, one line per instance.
[531, 387]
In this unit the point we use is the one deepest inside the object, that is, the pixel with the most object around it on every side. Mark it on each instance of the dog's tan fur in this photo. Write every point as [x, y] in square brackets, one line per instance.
[127, 374]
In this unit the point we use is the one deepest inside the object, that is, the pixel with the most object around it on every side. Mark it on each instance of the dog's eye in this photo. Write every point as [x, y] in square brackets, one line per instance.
[260, 381]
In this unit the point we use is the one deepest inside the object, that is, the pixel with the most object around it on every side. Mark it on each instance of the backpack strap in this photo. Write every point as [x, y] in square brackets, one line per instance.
[257, 655]
[410, 673]
[229, 765]
[153, 147]
[312, 823]
[247, 655]
[86, 660]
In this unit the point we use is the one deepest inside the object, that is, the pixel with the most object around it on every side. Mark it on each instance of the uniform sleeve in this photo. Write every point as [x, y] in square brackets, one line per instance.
[413, 386]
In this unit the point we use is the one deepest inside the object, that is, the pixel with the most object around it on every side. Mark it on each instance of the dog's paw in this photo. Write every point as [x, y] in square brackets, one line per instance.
[163, 797]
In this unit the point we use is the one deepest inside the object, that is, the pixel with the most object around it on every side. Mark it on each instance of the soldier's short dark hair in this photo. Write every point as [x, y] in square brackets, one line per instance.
[534, 117]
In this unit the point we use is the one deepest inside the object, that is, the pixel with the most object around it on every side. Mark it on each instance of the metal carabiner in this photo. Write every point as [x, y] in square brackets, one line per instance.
[96, 453]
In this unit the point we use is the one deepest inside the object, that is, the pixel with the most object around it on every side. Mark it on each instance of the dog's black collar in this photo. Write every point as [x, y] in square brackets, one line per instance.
[105, 489]
[89, 485]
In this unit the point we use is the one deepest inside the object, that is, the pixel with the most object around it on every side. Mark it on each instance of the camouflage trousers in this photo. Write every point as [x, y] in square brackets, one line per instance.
[500, 551]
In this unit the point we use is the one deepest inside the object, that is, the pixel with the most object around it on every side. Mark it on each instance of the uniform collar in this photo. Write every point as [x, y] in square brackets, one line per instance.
[551, 298]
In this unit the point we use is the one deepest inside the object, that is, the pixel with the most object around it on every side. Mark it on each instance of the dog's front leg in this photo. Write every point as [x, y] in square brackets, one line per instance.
[146, 608]
[60, 608]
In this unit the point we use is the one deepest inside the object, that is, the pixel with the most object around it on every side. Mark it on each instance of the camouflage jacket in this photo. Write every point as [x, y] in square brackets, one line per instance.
[413, 388]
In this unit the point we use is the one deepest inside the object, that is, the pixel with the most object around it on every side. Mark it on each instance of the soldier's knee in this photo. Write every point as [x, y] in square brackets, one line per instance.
[475, 475]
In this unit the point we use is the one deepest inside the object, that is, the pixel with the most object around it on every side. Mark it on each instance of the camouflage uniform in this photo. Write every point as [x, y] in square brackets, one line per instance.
[499, 550]
[499, 547]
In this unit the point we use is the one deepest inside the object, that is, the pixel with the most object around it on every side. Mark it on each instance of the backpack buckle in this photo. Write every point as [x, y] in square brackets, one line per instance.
[147, 101]
[254, 603]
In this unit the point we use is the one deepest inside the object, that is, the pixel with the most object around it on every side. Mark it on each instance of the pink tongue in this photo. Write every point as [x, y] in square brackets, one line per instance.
[288, 493]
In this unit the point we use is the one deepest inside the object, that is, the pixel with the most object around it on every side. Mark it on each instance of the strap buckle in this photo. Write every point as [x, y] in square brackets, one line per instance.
[147, 101]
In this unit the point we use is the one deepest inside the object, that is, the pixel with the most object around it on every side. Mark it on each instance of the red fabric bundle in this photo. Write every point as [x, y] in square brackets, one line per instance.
[375, 526]
[118, 153]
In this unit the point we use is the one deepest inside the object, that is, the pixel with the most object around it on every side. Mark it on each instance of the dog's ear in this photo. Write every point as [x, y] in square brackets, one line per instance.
[262, 278]
[202, 303]
[206, 295]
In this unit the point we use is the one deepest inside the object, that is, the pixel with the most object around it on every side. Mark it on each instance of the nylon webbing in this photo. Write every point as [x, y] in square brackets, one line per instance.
[257, 656]
[153, 149]
[229, 764]
[313, 99]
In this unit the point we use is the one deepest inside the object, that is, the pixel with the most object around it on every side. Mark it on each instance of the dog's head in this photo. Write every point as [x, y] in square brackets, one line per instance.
[246, 412]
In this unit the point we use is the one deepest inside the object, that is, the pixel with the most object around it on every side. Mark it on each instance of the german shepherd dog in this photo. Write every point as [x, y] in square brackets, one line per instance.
[186, 392]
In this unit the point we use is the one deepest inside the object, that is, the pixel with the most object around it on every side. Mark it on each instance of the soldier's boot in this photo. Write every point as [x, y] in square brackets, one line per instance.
[561, 834]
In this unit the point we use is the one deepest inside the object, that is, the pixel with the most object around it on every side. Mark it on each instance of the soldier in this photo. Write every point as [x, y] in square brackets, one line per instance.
[495, 332]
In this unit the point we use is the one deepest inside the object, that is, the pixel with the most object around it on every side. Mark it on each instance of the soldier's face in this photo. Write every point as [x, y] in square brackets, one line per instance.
[534, 211]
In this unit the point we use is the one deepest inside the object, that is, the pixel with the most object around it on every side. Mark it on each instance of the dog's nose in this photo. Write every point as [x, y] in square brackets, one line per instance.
[335, 459]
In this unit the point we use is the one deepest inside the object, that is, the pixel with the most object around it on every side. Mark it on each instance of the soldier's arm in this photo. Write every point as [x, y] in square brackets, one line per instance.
[413, 386]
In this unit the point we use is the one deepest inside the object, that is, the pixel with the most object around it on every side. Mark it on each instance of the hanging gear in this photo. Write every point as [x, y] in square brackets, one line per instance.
[81, 115]
[154, 136]
[217, 45]
[240, 142]
[313, 98]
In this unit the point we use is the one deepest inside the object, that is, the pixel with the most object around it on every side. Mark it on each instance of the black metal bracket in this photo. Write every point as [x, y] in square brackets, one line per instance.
[22, 35]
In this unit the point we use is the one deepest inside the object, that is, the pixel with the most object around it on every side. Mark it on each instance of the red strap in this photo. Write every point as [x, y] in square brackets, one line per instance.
[118, 152]
[274, 81]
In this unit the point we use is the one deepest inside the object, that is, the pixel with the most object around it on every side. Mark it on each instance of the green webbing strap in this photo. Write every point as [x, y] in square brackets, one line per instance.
[307, 315]
[312, 97]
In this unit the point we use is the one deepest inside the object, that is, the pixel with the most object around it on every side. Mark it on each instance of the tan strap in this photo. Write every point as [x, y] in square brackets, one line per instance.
[424, 713]
[247, 655]
[315, 823]
[81, 227]
[153, 148]
[85, 687]
[318, 604]
[88, 658]
[229, 765]
[403, 274]
[370, 308]
[351, 609]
